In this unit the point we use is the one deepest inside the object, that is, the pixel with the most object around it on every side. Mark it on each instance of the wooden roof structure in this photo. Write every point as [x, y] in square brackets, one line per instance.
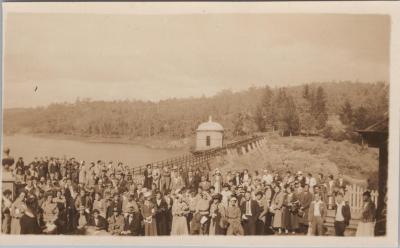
[377, 133]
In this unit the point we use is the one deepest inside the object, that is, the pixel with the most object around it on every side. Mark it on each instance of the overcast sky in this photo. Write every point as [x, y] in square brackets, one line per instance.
[152, 57]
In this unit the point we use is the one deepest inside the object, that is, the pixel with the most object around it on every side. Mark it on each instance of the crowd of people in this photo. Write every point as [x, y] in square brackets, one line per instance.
[64, 196]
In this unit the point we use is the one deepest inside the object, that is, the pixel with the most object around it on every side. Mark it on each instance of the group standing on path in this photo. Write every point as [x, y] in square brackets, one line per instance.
[63, 196]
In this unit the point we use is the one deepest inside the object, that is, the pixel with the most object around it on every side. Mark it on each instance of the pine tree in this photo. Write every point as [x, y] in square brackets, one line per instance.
[318, 109]
[361, 118]
[306, 92]
[238, 124]
[291, 116]
[346, 114]
[260, 119]
[264, 116]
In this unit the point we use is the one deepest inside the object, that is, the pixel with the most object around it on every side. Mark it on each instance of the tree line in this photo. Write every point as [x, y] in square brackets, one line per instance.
[305, 109]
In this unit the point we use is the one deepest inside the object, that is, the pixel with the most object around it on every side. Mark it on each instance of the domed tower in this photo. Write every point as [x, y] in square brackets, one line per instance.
[209, 135]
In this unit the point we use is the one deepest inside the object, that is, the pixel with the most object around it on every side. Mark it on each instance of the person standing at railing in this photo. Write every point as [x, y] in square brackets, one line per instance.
[165, 180]
[148, 176]
[156, 175]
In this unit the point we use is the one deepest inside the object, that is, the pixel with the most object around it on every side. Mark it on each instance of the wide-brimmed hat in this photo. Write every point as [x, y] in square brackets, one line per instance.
[147, 194]
[131, 209]
[217, 196]
[233, 199]
[225, 185]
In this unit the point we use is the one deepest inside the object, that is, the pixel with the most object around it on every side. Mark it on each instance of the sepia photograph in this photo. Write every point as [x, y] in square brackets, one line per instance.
[143, 123]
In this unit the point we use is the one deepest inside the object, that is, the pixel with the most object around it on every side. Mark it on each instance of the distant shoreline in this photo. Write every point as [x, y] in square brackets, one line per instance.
[151, 143]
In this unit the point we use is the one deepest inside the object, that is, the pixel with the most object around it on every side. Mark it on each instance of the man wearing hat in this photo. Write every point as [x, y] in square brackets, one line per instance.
[115, 203]
[132, 223]
[98, 222]
[116, 223]
[129, 203]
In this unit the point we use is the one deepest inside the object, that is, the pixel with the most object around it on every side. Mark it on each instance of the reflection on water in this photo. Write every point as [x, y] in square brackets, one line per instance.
[29, 147]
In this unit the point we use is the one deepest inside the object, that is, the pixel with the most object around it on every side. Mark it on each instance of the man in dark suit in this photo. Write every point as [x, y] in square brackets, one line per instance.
[115, 203]
[342, 215]
[98, 221]
[132, 224]
[250, 211]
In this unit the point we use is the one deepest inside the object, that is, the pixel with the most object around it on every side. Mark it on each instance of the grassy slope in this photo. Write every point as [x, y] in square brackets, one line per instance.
[309, 154]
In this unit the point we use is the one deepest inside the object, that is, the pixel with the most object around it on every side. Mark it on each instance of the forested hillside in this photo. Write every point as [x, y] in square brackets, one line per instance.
[315, 108]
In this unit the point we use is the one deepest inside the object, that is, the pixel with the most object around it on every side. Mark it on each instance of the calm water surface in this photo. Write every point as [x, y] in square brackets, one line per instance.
[29, 147]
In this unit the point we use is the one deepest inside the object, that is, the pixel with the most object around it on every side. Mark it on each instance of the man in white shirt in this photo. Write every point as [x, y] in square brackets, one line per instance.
[342, 215]
[316, 215]
[250, 212]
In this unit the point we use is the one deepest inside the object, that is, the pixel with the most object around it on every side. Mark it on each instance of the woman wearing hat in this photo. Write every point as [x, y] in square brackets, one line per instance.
[217, 215]
[367, 222]
[6, 203]
[148, 212]
[29, 222]
[277, 205]
[179, 211]
[217, 181]
[17, 209]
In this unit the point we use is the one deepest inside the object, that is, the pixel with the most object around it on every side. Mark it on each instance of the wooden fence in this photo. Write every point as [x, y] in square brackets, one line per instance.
[355, 198]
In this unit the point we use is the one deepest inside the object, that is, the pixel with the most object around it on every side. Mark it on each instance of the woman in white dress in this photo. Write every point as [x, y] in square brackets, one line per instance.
[179, 211]
[366, 224]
